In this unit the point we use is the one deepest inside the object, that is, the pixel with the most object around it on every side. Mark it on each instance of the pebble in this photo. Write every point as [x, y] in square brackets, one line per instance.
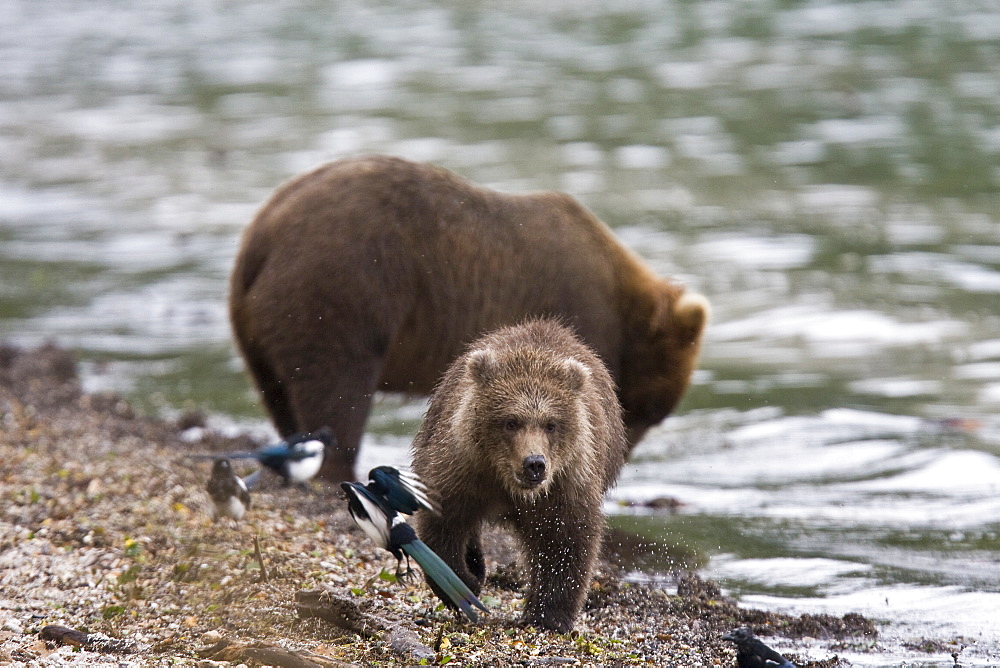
[211, 637]
[94, 487]
[13, 625]
[407, 644]
[193, 434]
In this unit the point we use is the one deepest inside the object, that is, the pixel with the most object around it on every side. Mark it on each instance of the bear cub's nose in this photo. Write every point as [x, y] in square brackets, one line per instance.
[534, 469]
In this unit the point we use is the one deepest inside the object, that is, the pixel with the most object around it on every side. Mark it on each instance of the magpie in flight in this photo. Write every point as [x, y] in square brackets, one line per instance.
[296, 459]
[378, 508]
[228, 491]
[752, 653]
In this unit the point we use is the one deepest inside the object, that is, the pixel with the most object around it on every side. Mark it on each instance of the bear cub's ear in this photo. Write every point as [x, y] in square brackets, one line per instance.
[482, 366]
[573, 373]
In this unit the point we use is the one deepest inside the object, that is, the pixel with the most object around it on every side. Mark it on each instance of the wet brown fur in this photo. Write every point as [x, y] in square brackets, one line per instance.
[532, 389]
[372, 274]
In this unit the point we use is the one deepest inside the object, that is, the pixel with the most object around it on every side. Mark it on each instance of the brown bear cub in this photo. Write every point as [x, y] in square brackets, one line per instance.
[374, 273]
[523, 429]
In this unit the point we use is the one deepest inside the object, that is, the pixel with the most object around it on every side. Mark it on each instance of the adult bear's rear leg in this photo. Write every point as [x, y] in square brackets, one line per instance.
[325, 394]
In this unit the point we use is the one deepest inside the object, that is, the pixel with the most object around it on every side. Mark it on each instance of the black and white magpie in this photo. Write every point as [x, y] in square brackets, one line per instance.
[296, 459]
[378, 507]
[752, 653]
[228, 491]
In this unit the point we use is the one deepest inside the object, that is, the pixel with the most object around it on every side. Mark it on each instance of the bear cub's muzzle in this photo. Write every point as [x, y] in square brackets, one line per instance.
[533, 470]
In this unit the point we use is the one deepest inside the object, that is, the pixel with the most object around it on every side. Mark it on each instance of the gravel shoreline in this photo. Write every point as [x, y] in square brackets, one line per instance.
[104, 530]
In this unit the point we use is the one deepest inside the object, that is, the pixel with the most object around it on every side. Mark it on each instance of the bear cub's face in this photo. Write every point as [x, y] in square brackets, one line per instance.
[531, 416]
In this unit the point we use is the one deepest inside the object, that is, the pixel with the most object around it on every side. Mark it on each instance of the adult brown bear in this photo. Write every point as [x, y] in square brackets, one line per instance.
[372, 273]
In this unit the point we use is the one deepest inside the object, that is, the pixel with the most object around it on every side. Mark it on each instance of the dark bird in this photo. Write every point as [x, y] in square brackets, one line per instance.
[752, 653]
[228, 491]
[296, 459]
[378, 507]
[402, 490]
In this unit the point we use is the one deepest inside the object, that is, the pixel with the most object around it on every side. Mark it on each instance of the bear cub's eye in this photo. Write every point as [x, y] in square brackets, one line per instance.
[550, 427]
[511, 424]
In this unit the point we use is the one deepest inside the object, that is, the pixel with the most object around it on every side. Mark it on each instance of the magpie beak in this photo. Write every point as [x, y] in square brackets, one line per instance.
[296, 459]
[228, 491]
[752, 653]
[377, 507]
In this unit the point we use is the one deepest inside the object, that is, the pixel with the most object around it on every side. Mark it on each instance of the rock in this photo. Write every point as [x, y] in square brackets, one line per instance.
[407, 644]
[211, 637]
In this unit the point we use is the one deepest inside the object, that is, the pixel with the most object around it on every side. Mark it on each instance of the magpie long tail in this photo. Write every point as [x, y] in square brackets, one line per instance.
[222, 455]
[252, 479]
[441, 573]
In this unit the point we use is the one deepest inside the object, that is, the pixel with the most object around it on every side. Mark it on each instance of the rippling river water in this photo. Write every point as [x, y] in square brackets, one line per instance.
[826, 172]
